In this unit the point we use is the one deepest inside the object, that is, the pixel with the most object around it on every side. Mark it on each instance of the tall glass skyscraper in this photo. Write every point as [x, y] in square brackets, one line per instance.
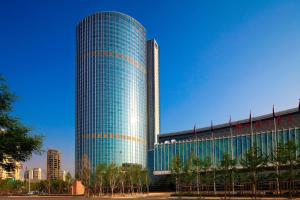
[111, 91]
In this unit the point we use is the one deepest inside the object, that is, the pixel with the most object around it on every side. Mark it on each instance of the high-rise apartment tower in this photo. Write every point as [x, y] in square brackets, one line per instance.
[53, 164]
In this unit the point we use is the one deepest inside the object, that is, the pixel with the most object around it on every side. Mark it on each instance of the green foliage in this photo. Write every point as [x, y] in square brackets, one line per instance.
[253, 167]
[188, 171]
[56, 186]
[177, 166]
[226, 169]
[134, 174]
[138, 177]
[192, 168]
[286, 157]
[85, 173]
[15, 138]
[177, 170]
[122, 178]
[100, 176]
[253, 162]
[43, 186]
[69, 178]
[201, 170]
[8, 184]
[145, 178]
[206, 167]
[112, 176]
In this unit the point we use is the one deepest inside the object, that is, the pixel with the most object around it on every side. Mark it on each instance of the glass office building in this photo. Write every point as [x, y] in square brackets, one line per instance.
[232, 138]
[111, 91]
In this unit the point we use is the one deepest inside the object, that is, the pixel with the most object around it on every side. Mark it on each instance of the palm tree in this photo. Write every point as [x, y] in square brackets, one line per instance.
[100, 176]
[253, 161]
[176, 171]
[227, 167]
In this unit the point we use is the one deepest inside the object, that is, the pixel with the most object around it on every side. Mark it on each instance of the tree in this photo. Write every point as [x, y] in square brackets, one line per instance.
[100, 176]
[122, 178]
[130, 176]
[69, 180]
[111, 176]
[133, 176]
[55, 186]
[85, 173]
[206, 166]
[176, 171]
[138, 177]
[42, 186]
[8, 184]
[197, 170]
[274, 159]
[254, 160]
[188, 172]
[145, 178]
[16, 142]
[287, 157]
[227, 167]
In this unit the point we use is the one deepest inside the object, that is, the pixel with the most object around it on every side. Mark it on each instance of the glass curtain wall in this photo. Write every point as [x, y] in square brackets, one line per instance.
[235, 146]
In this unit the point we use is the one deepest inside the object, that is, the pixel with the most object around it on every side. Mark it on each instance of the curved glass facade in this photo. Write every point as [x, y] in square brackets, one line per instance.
[111, 90]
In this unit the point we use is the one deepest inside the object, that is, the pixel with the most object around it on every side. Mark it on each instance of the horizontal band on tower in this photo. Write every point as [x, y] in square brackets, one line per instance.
[113, 54]
[113, 136]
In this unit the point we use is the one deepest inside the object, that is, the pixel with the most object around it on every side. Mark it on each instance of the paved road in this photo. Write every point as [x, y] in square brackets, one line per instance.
[147, 197]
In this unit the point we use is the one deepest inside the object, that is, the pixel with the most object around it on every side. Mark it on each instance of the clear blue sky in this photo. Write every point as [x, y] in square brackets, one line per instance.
[217, 58]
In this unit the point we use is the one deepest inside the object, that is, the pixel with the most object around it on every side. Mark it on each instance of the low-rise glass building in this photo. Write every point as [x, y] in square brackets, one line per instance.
[233, 138]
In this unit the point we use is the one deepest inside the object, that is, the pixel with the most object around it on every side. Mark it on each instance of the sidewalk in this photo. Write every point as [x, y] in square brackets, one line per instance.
[233, 198]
